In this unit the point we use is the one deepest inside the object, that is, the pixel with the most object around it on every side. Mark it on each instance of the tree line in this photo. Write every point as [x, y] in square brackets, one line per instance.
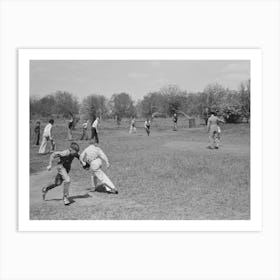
[232, 105]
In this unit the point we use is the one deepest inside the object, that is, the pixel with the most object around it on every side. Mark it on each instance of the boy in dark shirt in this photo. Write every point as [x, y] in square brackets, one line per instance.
[64, 165]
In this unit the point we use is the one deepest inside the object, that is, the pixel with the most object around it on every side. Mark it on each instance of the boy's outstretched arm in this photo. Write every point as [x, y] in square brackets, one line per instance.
[82, 157]
[54, 155]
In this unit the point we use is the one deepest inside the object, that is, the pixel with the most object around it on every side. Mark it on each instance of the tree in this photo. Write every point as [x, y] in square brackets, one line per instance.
[122, 105]
[65, 103]
[244, 99]
[93, 106]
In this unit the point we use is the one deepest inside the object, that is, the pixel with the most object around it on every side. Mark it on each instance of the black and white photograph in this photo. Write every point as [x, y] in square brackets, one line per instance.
[140, 139]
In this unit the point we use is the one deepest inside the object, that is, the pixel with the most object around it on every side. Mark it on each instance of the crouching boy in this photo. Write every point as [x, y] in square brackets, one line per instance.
[92, 157]
[64, 165]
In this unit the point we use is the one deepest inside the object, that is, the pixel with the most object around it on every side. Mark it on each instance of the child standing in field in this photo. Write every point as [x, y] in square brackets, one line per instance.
[175, 119]
[85, 134]
[214, 130]
[94, 131]
[37, 132]
[132, 128]
[47, 136]
[64, 165]
[147, 126]
[70, 127]
[93, 156]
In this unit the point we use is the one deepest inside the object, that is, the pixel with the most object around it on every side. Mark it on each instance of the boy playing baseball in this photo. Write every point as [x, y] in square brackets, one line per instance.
[132, 128]
[85, 134]
[147, 126]
[91, 158]
[37, 132]
[64, 165]
[47, 136]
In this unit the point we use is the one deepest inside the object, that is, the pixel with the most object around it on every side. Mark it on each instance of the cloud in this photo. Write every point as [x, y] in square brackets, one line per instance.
[135, 75]
[237, 67]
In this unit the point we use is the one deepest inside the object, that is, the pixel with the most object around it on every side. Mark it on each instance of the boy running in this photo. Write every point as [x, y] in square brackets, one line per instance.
[63, 167]
[92, 157]
[147, 126]
[47, 136]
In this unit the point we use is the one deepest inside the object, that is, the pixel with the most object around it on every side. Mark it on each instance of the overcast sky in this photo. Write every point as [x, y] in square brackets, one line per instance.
[137, 78]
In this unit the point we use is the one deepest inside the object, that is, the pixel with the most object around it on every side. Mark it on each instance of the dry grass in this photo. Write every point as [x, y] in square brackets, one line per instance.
[169, 175]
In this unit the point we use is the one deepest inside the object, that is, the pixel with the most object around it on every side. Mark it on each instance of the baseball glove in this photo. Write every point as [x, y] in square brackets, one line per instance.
[87, 166]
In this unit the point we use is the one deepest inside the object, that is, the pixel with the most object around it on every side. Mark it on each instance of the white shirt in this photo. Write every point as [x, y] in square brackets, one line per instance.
[47, 130]
[91, 153]
[95, 123]
[147, 123]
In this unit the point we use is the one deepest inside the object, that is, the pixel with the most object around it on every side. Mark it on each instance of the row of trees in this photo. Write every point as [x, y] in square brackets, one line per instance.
[233, 105]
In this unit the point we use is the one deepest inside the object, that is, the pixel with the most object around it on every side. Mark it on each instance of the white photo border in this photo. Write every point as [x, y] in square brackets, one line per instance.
[255, 57]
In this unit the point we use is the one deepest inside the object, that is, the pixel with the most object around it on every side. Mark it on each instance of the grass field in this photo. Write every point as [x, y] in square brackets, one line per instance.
[167, 176]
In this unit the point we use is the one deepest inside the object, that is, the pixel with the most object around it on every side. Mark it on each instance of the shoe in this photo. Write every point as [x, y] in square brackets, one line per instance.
[66, 201]
[44, 192]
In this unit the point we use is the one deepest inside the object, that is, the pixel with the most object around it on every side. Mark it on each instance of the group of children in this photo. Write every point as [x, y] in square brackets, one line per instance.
[147, 126]
[91, 158]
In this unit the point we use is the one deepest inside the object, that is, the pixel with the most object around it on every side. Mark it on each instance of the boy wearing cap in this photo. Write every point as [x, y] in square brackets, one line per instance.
[64, 165]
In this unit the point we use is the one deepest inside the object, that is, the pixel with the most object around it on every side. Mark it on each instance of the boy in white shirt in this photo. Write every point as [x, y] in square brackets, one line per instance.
[94, 131]
[147, 126]
[91, 158]
[47, 136]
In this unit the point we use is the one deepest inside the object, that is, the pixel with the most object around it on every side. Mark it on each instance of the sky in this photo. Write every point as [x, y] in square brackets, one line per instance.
[106, 77]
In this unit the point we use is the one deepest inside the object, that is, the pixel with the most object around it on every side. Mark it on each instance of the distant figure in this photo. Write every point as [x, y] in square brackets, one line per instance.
[132, 128]
[37, 132]
[94, 130]
[147, 126]
[85, 134]
[70, 127]
[47, 136]
[175, 119]
[214, 130]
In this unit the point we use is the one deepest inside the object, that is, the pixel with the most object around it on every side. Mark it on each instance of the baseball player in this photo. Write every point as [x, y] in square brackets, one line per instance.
[132, 126]
[91, 158]
[37, 132]
[175, 120]
[147, 126]
[94, 131]
[70, 127]
[63, 167]
[214, 130]
[85, 134]
[47, 136]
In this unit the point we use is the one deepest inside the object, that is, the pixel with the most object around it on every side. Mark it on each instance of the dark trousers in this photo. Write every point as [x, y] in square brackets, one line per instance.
[84, 135]
[148, 130]
[94, 134]
[37, 138]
